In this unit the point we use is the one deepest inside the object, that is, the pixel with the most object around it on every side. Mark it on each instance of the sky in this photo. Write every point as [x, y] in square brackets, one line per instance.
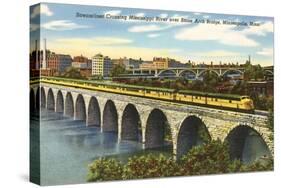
[116, 37]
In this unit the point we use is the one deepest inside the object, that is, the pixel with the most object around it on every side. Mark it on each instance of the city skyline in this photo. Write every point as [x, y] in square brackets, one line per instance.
[73, 35]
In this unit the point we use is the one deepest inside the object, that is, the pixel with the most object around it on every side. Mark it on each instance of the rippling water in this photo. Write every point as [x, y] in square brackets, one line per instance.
[68, 146]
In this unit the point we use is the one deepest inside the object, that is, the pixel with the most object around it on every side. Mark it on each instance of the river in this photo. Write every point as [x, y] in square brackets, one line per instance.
[68, 146]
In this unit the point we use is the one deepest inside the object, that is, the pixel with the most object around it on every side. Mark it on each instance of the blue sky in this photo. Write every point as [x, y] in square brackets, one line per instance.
[68, 34]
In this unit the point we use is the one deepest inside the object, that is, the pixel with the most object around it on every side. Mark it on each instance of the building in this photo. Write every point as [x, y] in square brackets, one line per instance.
[101, 65]
[260, 87]
[133, 63]
[127, 63]
[161, 63]
[59, 62]
[147, 65]
[81, 62]
[176, 64]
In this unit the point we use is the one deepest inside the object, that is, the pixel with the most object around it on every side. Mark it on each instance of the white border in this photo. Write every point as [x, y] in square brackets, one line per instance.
[14, 91]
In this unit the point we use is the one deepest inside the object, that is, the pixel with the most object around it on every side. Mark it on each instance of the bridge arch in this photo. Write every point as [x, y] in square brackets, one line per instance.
[246, 144]
[157, 128]
[37, 99]
[42, 97]
[192, 132]
[110, 117]
[183, 72]
[233, 70]
[269, 72]
[59, 102]
[94, 116]
[50, 100]
[170, 73]
[31, 100]
[131, 124]
[80, 108]
[210, 71]
[69, 105]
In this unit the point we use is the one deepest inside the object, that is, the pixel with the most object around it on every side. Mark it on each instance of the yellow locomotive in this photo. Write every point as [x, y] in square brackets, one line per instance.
[223, 101]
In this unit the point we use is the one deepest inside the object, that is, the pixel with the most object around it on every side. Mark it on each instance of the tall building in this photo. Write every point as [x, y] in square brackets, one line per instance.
[59, 62]
[161, 63]
[82, 62]
[101, 65]
[128, 63]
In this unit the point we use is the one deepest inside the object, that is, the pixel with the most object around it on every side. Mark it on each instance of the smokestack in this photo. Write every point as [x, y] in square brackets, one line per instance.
[44, 64]
[36, 55]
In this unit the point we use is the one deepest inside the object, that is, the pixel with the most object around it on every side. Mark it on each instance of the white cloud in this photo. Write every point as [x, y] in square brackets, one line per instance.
[197, 13]
[176, 16]
[114, 47]
[221, 53]
[146, 28]
[266, 52]
[141, 14]
[224, 34]
[110, 41]
[261, 30]
[153, 35]
[61, 25]
[217, 56]
[96, 41]
[113, 12]
[41, 9]
[164, 15]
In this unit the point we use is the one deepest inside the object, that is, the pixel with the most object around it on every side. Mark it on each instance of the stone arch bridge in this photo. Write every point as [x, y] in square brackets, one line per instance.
[146, 120]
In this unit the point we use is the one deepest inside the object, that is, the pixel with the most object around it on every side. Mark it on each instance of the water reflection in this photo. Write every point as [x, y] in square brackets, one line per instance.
[68, 146]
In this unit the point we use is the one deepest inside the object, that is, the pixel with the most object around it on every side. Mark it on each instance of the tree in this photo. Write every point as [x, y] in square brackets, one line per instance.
[117, 70]
[239, 88]
[253, 72]
[105, 169]
[149, 166]
[72, 72]
[208, 158]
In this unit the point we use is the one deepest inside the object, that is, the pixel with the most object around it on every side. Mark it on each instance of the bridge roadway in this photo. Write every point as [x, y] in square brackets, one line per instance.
[131, 116]
[196, 71]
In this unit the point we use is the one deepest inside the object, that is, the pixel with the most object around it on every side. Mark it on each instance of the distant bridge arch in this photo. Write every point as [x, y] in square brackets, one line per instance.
[210, 71]
[182, 72]
[167, 72]
[234, 70]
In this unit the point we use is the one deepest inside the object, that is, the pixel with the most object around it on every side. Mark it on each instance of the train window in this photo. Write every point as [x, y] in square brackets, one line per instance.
[230, 101]
[196, 97]
[216, 100]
